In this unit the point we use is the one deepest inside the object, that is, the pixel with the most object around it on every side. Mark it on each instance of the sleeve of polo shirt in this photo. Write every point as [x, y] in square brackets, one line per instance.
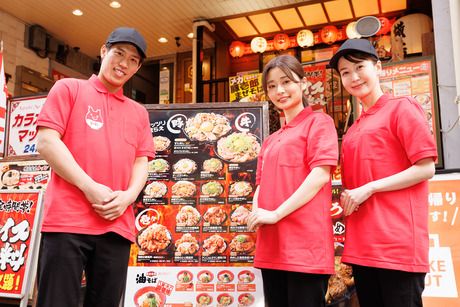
[58, 106]
[145, 147]
[413, 132]
[322, 146]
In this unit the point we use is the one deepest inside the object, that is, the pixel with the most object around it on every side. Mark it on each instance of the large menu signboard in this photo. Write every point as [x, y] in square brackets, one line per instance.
[192, 246]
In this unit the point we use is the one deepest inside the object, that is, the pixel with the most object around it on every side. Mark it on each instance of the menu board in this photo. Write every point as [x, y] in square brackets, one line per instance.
[416, 78]
[192, 245]
[25, 175]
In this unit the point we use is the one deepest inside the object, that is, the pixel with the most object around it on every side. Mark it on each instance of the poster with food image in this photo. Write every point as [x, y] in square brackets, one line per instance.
[193, 286]
[24, 175]
[191, 217]
[415, 77]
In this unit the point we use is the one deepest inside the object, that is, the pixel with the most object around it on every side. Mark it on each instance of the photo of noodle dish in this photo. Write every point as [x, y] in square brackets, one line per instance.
[149, 297]
[184, 277]
[11, 177]
[154, 238]
[205, 277]
[240, 216]
[224, 299]
[204, 299]
[183, 189]
[184, 166]
[187, 244]
[155, 189]
[212, 165]
[246, 299]
[215, 216]
[158, 166]
[211, 189]
[240, 189]
[161, 143]
[246, 277]
[238, 147]
[207, 127]
[188, 216]
[225, 277]
[242, 244]
[214, 245]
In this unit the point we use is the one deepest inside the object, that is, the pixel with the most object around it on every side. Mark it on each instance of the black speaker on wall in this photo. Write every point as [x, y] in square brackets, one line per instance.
[37, 38]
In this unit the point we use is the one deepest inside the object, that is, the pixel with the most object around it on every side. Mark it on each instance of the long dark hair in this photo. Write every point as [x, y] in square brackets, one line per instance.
[290, 66]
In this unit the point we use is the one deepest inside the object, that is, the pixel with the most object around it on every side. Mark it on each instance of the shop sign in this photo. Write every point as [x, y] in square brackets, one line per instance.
[22, 127]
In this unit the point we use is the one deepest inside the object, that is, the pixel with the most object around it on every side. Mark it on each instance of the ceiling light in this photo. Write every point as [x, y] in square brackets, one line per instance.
[115, 4]
[77, 12]
[163, 40]
[190, 35]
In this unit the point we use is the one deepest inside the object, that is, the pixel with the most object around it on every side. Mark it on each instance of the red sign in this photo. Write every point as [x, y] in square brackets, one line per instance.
[19, 216]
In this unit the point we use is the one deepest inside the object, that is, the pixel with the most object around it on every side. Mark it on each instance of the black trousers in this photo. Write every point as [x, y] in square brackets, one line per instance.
[388, 288]
[64, 256]
[294, 289]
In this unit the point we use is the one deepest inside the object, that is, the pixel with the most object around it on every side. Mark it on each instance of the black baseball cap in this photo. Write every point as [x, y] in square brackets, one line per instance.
[351, 46]
[128, 35]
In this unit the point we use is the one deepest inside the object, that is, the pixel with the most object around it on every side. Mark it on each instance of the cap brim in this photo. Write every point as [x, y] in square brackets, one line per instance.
[334, 62]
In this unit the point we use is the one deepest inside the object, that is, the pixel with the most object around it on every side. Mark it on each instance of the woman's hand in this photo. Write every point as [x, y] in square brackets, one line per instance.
[261, 216]
[352, 199]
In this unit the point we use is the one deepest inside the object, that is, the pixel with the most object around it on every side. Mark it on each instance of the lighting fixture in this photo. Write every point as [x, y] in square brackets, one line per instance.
[115, 4]
[190, 35]
[77, 12]
[163, 40]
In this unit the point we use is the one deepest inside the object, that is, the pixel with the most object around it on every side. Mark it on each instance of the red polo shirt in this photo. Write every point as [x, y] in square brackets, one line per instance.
[303, 240]
[105, 132]
[390, 230]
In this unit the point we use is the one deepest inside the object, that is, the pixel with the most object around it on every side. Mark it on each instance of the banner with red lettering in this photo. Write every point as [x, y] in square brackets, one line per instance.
[19, 221]
[3, 97]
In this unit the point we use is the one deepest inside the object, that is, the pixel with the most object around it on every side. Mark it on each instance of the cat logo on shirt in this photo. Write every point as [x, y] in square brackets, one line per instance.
[94, 118]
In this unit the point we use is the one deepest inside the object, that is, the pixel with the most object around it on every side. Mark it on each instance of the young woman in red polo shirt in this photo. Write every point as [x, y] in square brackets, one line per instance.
[387, 158]
[291, 207]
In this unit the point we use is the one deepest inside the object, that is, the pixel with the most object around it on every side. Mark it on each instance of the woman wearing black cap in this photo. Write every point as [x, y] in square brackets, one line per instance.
[387, 157]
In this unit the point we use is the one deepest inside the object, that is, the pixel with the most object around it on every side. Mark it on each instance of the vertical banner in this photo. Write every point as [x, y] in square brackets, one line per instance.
[3, 97]
[164, 86]
[441, 284]
[19, 219]
[22, 127]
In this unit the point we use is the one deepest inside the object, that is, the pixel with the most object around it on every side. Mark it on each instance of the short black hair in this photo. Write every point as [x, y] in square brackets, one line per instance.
[141, 57]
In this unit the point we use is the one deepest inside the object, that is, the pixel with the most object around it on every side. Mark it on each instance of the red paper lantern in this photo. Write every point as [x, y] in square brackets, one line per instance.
[329, 34]
[236, 49]
[385, 26]
[281, 41]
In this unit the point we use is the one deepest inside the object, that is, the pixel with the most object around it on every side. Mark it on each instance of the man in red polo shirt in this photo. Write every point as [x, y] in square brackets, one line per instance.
[97, 142]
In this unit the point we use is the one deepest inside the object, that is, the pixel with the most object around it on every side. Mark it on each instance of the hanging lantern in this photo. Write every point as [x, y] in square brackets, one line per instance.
[258, 44]
[237, 49]
[407, 31]
[351, 30]
[281, 41]
[305, 38]
[385, 26]
[329, 34]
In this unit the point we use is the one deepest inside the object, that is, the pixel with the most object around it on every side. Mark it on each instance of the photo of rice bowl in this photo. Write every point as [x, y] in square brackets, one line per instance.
[207, 127]
[158, 166]
[240, 189]
[187, 244]
[183, 189]
[238, 147]
[161, 143]
[184, 166]
[212, 165]
[212, 189]
[154, 238]
[188, 216]
[155, 189]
